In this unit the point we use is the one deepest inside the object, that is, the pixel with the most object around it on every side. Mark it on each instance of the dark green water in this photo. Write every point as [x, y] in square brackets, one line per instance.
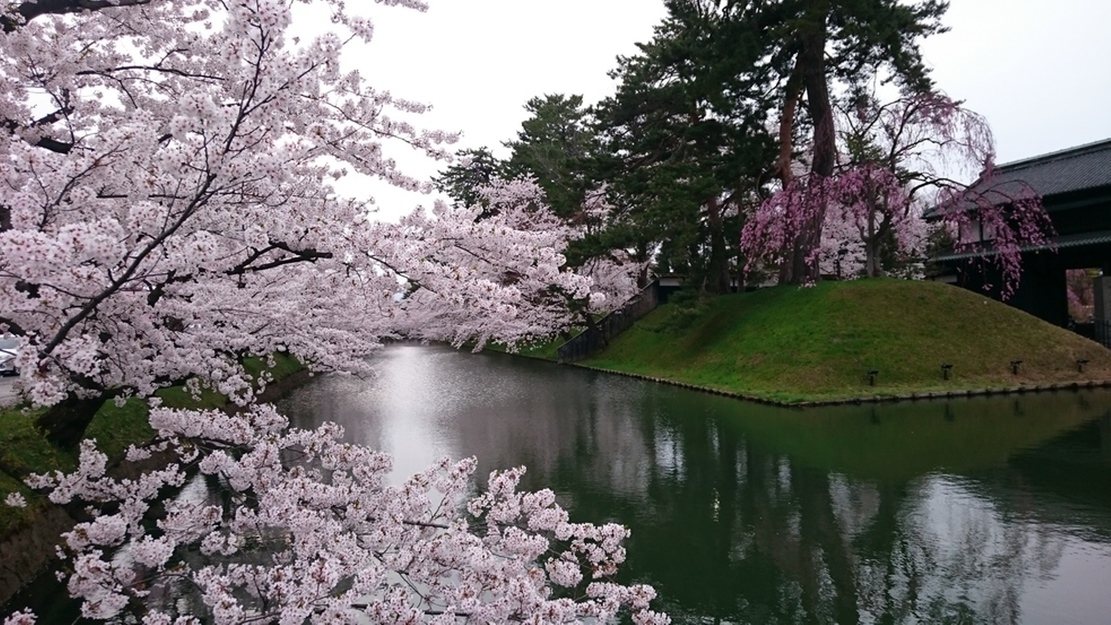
[968, 511]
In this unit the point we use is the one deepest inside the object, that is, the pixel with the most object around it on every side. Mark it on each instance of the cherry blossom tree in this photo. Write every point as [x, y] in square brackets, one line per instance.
[768, 236]
[164, 205]
[167, 208]
[930, 141]
[171, 212]
[900, 156]
[324, 537]
[994, 220]
[497, 268]
[873, 219]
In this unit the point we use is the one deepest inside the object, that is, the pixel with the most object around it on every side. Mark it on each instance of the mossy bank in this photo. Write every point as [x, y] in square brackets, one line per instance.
[790, 344]
[28, 534]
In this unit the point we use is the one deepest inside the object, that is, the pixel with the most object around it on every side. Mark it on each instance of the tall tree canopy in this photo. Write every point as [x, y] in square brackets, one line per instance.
[815, 45]
[552, 147]
[685, 141]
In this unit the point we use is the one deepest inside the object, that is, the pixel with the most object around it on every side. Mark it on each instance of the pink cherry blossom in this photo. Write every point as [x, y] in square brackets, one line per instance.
[339, 542]
[167, 208]
[911, 150]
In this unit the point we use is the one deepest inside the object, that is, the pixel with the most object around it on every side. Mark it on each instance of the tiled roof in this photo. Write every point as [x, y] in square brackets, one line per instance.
[1056, 243]
[1075, 169]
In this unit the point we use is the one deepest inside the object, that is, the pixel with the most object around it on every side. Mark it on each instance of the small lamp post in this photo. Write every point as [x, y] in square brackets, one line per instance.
[872, 373]
[945, 367]
[1080, 362]
[1015, 365]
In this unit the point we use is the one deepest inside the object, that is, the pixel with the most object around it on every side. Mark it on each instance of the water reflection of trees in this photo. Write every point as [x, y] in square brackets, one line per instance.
[928, 512]
[730, 529]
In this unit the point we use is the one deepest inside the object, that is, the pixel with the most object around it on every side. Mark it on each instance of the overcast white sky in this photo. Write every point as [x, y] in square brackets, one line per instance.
[1039, 70]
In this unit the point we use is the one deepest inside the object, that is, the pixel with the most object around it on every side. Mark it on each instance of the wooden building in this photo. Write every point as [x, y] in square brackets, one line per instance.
[1075, 186]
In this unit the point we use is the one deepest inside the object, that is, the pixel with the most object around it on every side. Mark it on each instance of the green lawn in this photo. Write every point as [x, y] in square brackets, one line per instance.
[794, 344]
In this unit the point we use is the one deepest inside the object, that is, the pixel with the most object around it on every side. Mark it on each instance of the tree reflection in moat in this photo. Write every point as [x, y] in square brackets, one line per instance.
[948, 512]
[751, 534]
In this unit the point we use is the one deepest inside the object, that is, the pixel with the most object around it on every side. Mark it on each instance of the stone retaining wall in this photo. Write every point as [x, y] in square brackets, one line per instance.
[24, 554]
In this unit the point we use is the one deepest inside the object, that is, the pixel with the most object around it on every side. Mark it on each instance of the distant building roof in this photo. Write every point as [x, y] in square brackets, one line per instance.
[1075, 169]
[1078, 168]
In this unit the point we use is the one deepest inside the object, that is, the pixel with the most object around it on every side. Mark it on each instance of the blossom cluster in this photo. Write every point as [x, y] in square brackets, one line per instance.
[860, 209]
[173, 211]
[298, 525]
[496, 269]
[167, 209]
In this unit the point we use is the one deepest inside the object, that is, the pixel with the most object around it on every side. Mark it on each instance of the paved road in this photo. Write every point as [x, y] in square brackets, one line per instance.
[6, 394]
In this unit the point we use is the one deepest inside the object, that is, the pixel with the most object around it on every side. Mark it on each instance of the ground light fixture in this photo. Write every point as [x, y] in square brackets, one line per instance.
[945, 367]
[1080, 362]
[872, 373]
[1015, 365]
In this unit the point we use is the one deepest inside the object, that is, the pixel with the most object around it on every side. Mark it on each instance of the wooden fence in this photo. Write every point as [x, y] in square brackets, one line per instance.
[594, 339]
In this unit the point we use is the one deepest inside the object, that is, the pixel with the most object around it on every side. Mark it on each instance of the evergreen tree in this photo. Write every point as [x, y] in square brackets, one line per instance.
[474, 170]
[685, 141]
[552, 147]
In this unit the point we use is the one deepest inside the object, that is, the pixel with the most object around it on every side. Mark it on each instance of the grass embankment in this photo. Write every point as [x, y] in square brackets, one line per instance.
[792, 344]
[23, 449]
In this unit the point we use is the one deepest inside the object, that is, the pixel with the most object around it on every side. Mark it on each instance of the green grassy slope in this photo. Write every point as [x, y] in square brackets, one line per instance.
[792, 344]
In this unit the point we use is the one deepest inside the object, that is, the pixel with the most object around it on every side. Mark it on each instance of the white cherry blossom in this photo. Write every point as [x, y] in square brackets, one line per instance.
[166, 209]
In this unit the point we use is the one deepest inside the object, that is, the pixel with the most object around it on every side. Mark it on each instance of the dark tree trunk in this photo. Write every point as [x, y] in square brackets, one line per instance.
[824, 158]
[642, 257]
[718, 270]
[64, 423]
[873, 267]
[787, 127]
[812, 69]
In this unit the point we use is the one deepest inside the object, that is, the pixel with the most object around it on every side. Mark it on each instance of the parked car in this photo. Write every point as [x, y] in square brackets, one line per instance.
[9, 349]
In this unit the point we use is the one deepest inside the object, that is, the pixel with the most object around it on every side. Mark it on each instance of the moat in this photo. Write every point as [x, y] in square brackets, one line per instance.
[982, 510]
[977, 510]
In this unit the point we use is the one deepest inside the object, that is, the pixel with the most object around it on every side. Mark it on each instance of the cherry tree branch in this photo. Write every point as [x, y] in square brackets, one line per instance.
[199, 200]
[29, 10]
